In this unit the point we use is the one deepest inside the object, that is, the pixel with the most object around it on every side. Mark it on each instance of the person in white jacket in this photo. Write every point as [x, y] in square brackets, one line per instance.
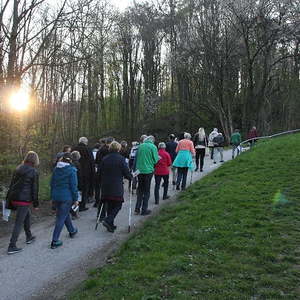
[211, 136]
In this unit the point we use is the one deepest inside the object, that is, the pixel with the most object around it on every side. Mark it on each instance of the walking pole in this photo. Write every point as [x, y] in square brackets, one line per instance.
[191, 177]
[99, 216]
[130, 200]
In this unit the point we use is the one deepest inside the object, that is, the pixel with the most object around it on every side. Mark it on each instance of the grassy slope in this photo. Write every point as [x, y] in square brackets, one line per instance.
[224, 239]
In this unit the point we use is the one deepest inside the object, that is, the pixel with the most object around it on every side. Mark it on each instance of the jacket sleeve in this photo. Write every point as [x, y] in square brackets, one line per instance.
[192, 148]
[177, 148]
[155, 155]
[135, 160]
[35, 189]
[73, 185]
[125, 170]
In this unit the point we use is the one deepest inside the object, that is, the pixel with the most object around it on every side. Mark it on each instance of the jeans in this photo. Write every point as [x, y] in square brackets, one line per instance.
[220, 150]
[211, 152]
[174, 174]
[22, 218]
[200, 154]
[158, 179]
[235, 147]
[62, 218]
[182, 175]
[143, 191]
[113, 207]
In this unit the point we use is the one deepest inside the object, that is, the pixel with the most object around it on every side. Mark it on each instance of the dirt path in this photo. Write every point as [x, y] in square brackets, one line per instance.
[40, 272]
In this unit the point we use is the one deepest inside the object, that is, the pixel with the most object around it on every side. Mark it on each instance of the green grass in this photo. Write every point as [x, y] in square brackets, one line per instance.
[233, 235]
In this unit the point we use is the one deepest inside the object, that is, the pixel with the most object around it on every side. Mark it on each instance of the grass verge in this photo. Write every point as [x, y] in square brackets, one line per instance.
[233, 235]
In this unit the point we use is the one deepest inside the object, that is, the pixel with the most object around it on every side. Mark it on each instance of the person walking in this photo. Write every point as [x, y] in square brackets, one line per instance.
[23, 191]
[132, 155]
[211, 145]
[146, 159]
[113, 169]
[87, 170]
[162, 170]
[171, 146]
[235, 141]
[64, 194]
[200, 143]
[219, 146]
[252, 135]
[103, 151]
[75, 162]
[184, 160]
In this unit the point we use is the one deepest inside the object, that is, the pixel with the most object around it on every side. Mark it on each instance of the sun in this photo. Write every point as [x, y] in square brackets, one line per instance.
[19, 100]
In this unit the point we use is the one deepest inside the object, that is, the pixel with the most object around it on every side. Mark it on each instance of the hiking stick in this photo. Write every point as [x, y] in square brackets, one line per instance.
[99, 215]
[129, 215]
[192, 177]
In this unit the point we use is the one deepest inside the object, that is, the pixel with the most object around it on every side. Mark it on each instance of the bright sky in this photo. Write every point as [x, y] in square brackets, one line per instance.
[122, 4]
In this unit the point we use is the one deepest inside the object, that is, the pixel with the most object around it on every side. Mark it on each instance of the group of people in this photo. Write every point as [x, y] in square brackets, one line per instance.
[80, 173]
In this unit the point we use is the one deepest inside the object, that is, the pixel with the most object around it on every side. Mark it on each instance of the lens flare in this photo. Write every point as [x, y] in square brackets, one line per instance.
[19, 100]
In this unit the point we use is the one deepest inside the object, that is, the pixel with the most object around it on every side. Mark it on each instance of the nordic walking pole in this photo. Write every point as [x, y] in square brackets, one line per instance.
[192, 177]
[99, 216]
[130, 200]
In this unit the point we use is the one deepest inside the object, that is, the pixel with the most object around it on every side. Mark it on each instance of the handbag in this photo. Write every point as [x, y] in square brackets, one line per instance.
[5, 211]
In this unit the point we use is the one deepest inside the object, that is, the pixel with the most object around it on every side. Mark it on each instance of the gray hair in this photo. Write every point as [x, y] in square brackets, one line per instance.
[143, 137]
[150, 138]
[162, 145]
[187, 135]
[75, 155]
[32, 158]
[83, 140]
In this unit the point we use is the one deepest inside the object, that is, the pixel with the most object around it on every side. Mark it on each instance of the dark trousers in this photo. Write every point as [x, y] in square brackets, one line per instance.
[97, 189]
[143, 192]
[62, 218]
[211, 152]
[158, 179]
[200, 154]
[22, 219]
[182, 175]
[113, 207]
[85, 192]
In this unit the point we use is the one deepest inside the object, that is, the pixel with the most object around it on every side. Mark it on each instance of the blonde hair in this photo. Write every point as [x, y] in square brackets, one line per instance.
[201, 133]
[114, 146]
[32, 158]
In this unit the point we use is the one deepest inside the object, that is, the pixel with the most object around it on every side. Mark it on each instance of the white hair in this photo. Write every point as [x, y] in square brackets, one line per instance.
[187, 136]
[83, 140]
[150, 138]
[162, 145]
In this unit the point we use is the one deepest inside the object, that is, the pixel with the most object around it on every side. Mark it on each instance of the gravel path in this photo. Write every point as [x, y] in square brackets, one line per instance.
[39, 272]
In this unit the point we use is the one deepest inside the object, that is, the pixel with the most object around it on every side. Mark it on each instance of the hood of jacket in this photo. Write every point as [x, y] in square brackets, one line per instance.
[63, 170]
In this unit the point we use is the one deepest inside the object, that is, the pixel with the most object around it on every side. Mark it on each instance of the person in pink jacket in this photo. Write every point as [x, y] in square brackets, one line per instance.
[162, 170]
[184, 160]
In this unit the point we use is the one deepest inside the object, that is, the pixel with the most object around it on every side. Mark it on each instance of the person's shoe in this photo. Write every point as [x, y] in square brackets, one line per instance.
[173, 183]
[177, 188]
[232, 157]
[215, 162]
[72, 234]
[95, 205]
[56, 244]
[109, 227]
[13, 250]
[221, 160]
[146, 213]
[30, 240]
[165, 198]
[114, 227]
[83, 208]
[156, 202]
[137, 212]
[201, 170]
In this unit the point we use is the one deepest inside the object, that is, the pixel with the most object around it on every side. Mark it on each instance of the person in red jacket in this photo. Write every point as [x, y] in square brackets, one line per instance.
[162, 170]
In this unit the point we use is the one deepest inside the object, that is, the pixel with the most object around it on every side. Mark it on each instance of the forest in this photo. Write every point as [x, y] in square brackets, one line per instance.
[160, 67]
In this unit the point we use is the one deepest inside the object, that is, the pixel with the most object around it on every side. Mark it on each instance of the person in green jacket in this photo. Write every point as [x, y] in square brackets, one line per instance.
[146, 159]
[235, 141]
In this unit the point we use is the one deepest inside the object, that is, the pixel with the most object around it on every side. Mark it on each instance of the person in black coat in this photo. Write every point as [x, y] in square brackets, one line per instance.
[22, 192]
[113, 169]
[103, 151]
[171, 146]
[87, 170]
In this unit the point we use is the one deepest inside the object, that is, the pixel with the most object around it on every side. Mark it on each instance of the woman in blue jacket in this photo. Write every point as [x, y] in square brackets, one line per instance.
[64, 194]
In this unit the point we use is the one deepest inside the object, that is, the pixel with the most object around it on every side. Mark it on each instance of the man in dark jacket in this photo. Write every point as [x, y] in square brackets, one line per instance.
[87, 170]
[219, 146]
[171, 149]
[113, 169]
